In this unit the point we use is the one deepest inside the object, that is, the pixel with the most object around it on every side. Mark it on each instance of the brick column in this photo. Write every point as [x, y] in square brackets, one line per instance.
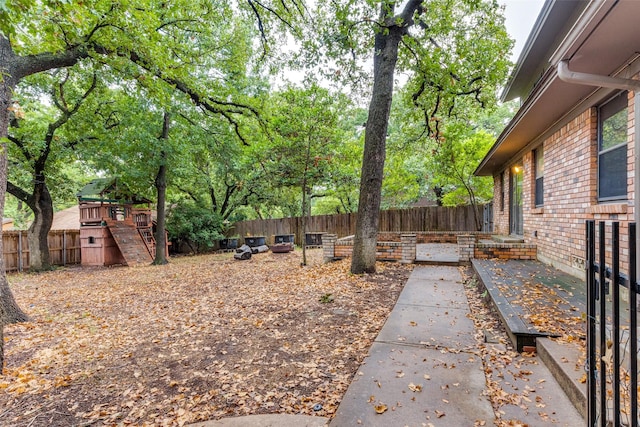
[408, 242]
[466, 246]
[329, 247]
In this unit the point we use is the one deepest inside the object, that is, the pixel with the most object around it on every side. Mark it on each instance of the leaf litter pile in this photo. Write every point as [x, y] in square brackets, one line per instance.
[202, 338]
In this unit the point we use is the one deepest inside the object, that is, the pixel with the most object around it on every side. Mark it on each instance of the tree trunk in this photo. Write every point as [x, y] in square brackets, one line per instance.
[161, 188]
[37, 235]
[306, 212]
[161, 235]
[384, 64]
[304, 221]
[9, 310]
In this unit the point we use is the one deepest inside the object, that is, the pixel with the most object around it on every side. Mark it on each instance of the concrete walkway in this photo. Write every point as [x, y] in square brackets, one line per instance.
[267, 420]
[424, 369]
[422, 366]
[437, 254]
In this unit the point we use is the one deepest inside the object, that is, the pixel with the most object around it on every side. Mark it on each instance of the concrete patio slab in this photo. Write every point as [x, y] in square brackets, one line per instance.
[532, 397]
[437, 254]
[437, 273]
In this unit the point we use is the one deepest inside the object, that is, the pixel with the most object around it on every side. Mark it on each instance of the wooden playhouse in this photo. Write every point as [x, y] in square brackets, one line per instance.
[116, 227]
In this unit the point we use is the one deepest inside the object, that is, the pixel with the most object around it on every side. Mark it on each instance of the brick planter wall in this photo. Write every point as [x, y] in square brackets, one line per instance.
[431, 236]
[408, 248]
[328, 247]
[466, 247]
[505, 251]
[402, 251]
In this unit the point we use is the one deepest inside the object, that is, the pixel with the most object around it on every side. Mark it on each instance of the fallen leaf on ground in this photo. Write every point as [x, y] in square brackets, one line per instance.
[415, 387]
[201, 338]
[381, 408]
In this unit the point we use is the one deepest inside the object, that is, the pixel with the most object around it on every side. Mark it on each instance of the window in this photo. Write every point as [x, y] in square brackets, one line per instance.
[538, 158]
[612, 149]
[92, 240]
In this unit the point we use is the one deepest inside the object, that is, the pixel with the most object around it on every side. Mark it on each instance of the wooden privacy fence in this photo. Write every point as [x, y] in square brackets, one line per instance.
[64, 248]
[431, 218]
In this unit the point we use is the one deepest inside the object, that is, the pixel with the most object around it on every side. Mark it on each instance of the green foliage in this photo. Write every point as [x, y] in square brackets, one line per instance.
[455, 52]
[342, 187]
[495, 120]
[42, 140]
[455, 163]
[305, 145]
[221, 159]
[326, 298]
[195, 226]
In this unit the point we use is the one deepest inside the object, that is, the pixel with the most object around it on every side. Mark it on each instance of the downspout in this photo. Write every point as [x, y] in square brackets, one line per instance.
[569, 76]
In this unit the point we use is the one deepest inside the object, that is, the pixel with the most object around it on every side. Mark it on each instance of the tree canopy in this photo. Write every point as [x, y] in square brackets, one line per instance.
[175, 98]
[453, 52]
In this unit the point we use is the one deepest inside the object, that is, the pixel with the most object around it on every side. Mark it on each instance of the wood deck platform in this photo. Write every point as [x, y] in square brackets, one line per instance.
[534, 300]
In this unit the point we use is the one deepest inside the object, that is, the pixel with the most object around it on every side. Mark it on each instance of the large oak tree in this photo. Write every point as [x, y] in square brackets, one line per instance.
[453, 52]
[164, 43]
[39, 146]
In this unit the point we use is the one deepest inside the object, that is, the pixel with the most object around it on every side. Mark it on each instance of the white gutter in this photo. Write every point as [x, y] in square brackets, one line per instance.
[569, 76]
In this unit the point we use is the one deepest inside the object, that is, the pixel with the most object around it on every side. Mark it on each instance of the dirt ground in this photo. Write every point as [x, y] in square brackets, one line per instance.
[202, 338]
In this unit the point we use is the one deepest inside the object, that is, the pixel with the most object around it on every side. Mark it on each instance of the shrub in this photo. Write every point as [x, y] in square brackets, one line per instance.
[195, 227]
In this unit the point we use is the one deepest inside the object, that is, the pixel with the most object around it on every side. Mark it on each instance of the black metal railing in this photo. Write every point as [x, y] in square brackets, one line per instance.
[612, 328]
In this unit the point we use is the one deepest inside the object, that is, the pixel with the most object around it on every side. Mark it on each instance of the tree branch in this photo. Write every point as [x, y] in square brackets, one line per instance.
[32, 64]
[270, 10]
[67, 113]
[20, 194]
[21, 146]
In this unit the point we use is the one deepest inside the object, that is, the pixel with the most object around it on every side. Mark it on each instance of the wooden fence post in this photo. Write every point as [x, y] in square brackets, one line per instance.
[19, 251]
[64, 247]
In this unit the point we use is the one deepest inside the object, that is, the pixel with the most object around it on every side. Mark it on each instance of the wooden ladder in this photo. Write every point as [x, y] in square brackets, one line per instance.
[148, 239]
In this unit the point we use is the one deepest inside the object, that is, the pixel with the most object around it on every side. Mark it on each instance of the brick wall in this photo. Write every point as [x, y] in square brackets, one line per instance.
[501, 203]
[570, 194]
[505, 251]
[470, 247]
[402, 251]
[431, 236]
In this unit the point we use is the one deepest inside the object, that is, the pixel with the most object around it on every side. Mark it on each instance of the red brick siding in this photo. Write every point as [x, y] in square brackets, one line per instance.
[385, 251]
[570, 194]
[430, 236]
[501, 211]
